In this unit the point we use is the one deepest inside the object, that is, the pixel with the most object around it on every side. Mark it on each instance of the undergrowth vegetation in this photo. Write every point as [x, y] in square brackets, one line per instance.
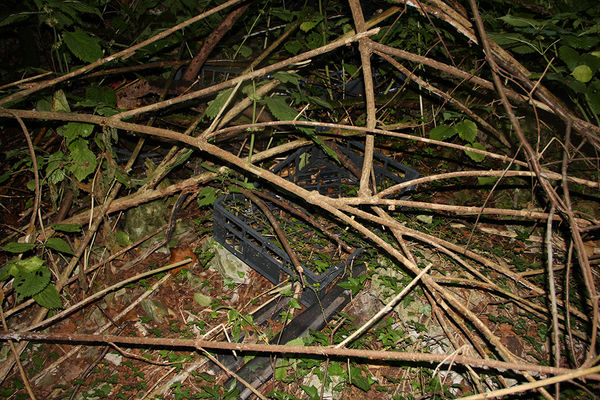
[440, 239]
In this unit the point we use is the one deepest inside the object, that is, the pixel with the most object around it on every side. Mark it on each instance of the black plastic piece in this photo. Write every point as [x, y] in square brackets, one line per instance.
[235, 233]
[310, 168]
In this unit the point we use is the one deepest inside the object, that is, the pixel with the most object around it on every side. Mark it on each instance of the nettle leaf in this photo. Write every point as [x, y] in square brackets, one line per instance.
[75, 130]
[360, 381]
[280, 109]
[314, 40]
[59, 102]
[68, 228]
[520, 21]
[49, 298]
[293, 46]
[214, 106]
[83, 46]
[477, 157]
[29, 264]
[59, 244]
[101, 95]
[582, 73]
[285, 77]
[308, 25]
[84, 161]
[487, 180]
[207, 196]
[593, 95]
[442, 132]
[15, 18]
[14, 247]
[27, 284]
[311, 391]
[569, 56]
[581, 42]
[244, 51]
[467, 130]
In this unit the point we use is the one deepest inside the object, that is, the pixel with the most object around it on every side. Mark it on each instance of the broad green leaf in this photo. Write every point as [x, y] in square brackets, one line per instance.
[14, 247]
[280, 372]
[311, 391]
[581, 42]
[244, 51]
[293, 46]
[487, 180]
[442, 132]
[83, 46]
[68, 228]
[467, 130]
[593, 96]
[286, 77]
[84, 161]
[59, 102]
[520, 21]
[101, 95]
[15, 18]
[582, 73]
[59, 244]
[5, 273]
[360, 381]
[75, 130]
[207, 196]
[55, 168]
[49, 298]
[569, 56]
[27, 284]
[280, 109]
[308, 25]
[314, 40]
[123, 239]
[214, 106]
[30, 264]
[477, 157]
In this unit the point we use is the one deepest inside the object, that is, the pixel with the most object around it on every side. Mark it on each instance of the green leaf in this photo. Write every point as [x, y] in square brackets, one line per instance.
[477, 157]
[311, 391]
[569, 56]
[214, 106]
[59, 244]
[293, 46]
[49, 298]
[582, 73]
[83, 46]
[593, 96]
[75, 130]
[68, 228]
[15, 18]
[84, 161]
[487, 180]
[581, 42]
[59, 102]
[360, 381]
[207, 196]
[122, 239]
[520, 21]
[286, 77]
[30, 264]
[280, 109]
[244, 51]
[467, 130]
[442, 132]
[27, 284]
[14, 247]
[281, 369]
[101, 95]
[308, 25]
